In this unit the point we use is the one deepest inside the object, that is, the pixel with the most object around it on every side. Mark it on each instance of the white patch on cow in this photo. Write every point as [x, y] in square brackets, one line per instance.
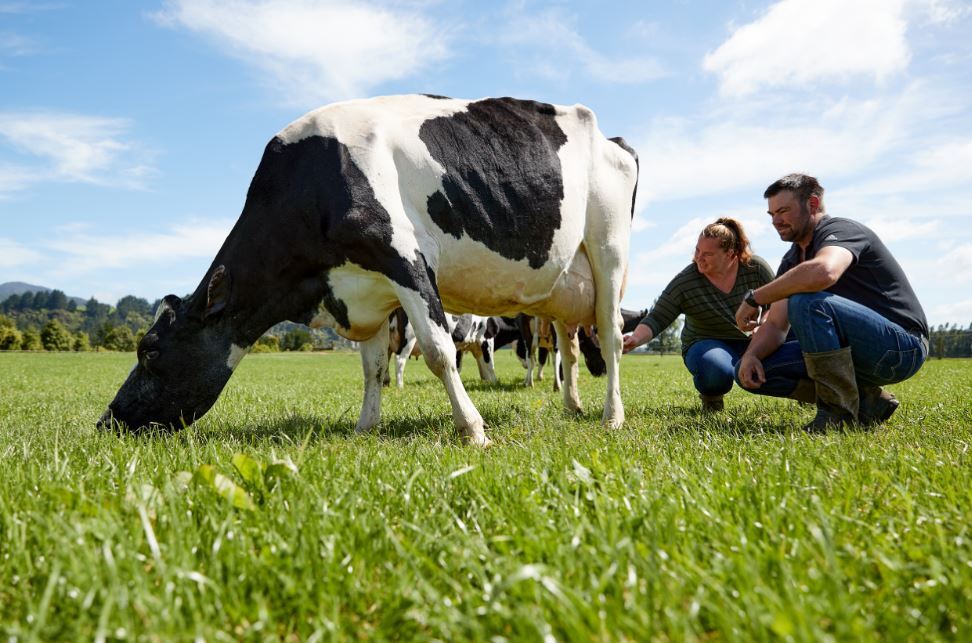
[236, 354]
[369, 297]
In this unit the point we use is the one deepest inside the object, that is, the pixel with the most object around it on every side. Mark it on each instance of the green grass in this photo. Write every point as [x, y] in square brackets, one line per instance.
[677, 526]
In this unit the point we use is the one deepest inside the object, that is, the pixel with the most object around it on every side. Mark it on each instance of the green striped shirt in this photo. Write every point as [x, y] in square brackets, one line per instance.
[709, 312]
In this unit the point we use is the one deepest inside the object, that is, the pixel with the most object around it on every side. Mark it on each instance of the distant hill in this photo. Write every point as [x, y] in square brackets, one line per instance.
[19, 288]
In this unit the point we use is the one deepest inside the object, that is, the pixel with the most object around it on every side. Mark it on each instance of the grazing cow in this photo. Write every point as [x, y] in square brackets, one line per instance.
[590, 346]
[491, 206]
[471, 334]
[539, 340]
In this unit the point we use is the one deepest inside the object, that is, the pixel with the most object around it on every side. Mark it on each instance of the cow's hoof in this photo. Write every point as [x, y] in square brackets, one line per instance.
[477, 440]
[611, 423]
[363, 429]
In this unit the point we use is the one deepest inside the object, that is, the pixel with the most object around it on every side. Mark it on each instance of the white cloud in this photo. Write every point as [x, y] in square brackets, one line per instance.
[894, 137]
[13, 255]
[13, 44]
[562, 49]
[69, 148]
[957, 263]
[805, 42]
[959, 312]
[86, 251]
[316, 52]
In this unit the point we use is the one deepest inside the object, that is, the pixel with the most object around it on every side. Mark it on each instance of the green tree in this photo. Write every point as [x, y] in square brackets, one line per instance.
[55, 337]
[267, 344]
[10, 338]
[294, 339]
[56, 300]
[81, 341]
[131, 304]
[26, 301]
[31, 341]
[119, 338]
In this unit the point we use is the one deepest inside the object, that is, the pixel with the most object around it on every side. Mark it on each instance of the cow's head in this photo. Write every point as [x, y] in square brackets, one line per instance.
[184, 361]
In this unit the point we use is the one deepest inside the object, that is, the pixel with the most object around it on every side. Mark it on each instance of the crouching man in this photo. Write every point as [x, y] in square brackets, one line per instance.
[857, 321]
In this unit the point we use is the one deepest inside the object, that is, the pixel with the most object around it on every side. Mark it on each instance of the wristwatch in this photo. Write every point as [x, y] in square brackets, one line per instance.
[750, 298]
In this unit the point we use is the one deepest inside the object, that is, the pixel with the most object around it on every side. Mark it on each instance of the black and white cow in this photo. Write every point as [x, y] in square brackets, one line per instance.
[590, 345]
[492, 206]
[470, 334]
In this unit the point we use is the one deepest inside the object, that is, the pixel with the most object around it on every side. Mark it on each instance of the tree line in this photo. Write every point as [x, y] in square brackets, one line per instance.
[51, 321]
[950, 340]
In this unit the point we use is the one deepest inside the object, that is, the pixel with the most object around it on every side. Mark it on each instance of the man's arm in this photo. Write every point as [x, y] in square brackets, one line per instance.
[814, 275]
[771, 335]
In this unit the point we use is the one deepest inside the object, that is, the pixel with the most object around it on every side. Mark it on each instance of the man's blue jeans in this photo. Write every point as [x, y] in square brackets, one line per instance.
[883, 352]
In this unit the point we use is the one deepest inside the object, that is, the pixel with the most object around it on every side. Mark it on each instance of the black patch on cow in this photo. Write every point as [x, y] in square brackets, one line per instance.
[487, 356]
[623, 144]
[592, 353]
[463, 326]
[401, 319]
[436, 96]
[333, 305]
[310, 209]
[503, 181]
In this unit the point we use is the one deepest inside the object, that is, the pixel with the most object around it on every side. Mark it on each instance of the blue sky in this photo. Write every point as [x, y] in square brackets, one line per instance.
[129, 131]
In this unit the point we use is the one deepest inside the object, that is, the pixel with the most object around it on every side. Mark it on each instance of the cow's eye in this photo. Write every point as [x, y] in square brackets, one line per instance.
[150, 355]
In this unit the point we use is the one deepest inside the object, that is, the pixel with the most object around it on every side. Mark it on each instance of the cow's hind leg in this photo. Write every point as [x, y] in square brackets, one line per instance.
[569, 352]
[607, 250]
[374, 360]
[429, 322]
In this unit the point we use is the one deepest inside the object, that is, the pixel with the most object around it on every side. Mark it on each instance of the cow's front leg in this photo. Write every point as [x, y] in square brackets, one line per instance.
[569, 351]
[374, 360]
[435, 340]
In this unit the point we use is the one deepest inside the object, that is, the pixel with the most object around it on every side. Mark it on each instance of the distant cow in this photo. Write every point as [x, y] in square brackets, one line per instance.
[590, 346]
[492, 206]
[470, 333]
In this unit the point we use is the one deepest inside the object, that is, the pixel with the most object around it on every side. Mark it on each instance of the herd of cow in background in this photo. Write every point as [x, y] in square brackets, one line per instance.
[534, 340]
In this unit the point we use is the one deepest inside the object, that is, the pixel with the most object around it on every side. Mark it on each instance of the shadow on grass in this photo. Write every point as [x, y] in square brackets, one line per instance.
[301, 428]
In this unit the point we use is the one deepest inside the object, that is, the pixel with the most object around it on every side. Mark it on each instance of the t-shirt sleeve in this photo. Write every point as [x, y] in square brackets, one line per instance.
[844, 234]
[764, 273]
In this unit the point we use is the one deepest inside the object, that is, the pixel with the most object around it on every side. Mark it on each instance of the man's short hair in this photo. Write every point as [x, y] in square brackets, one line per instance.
[803, 186]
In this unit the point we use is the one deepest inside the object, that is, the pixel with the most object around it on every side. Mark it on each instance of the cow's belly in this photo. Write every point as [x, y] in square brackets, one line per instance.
[487, 284]
[368, 297]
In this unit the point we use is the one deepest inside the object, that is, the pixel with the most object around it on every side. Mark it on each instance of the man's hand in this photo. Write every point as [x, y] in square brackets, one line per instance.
[630, 343]
[751, 373]
[747, 317]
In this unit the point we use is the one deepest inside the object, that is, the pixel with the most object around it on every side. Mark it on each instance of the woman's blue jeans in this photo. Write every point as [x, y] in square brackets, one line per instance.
[883, 352]
[712, 363]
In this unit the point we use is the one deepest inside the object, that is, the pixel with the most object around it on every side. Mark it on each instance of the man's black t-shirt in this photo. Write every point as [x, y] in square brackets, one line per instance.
[874, 279]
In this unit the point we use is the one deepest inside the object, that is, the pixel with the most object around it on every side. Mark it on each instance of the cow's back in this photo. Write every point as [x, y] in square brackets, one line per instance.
[493, 193]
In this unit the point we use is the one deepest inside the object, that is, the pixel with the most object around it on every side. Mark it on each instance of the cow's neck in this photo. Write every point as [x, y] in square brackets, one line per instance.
[271, 280]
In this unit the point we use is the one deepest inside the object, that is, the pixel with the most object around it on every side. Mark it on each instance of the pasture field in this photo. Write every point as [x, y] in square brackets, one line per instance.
[271, 520]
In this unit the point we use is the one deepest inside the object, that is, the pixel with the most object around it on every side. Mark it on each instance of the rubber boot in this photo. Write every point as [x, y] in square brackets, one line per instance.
[876, 405]
[805, 392]
[836, 386]
[712, 403]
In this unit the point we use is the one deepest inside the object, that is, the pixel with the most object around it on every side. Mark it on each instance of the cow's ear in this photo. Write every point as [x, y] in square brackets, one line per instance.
[218, 292]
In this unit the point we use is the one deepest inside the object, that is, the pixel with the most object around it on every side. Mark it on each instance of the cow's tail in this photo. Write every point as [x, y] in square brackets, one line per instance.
[620, 142]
